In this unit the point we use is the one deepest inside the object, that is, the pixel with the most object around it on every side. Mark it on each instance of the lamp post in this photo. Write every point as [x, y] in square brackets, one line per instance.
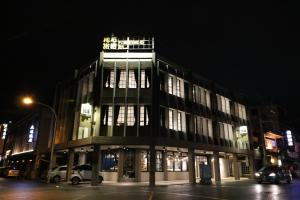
[29, 101]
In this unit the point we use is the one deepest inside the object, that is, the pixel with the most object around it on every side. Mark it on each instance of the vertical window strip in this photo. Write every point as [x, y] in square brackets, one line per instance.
[171, 119]
[130, 116]
[142, 116]
[179, 120]
[178, 92]
[122, 82]
[121, 116]
[170, 84]
[143, 78]
[132, 81]
[109, 119]
[112, 79]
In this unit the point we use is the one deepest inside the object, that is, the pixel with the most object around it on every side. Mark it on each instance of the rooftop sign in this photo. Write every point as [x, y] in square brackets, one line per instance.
[128, 43]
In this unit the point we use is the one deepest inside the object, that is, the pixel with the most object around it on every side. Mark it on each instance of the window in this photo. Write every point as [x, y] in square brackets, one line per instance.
[170, 84]
[130, 116]
[144, 118]
[178, 88]
[210, 129]
[121, 116]
[144, 80]
[179, 119]
[109, 76]
[110, 160]
[177, 161]
[109, 119]
[131, 79]
[145, 161]
[122, 82]
[159, 161]
[171, 125]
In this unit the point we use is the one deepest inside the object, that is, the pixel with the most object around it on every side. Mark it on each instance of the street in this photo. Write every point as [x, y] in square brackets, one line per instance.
[12, 189]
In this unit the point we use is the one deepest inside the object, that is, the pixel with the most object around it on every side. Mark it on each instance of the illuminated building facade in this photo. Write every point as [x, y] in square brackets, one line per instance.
[138, 117]
[26, 143]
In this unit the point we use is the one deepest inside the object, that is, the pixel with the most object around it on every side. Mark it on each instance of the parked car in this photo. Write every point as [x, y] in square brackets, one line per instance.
[273, 174]
[58, 174]
[83, 173]
[78, 174]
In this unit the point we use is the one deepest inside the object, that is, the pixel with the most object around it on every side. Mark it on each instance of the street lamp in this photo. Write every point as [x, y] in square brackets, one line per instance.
[29, 101]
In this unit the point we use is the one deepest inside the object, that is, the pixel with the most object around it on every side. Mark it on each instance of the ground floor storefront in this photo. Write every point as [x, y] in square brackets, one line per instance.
[142, 163]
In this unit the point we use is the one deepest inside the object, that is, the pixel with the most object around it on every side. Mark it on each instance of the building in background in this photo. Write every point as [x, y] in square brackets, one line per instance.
[25, 143]
[273, 140]
[137, 116]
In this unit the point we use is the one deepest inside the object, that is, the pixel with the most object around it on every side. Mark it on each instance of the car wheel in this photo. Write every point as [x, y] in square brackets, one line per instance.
[75, 180]
[100, 179]
[56, 179]
[259, 182]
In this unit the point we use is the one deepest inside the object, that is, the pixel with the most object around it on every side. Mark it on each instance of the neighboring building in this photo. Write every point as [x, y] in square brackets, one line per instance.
[274, 143]
[26, 143]
[139, 117]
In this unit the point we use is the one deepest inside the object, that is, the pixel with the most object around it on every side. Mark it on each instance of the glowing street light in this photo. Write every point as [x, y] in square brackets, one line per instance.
[29, 101]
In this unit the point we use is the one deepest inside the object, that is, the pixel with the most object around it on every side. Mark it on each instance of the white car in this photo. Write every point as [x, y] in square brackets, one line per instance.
[79, 173]
[83, 173]
[58, 174]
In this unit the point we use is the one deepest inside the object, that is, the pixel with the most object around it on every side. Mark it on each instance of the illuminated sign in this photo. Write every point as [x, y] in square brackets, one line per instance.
[243, 130]
[86, 109]
[115, 43]
[270, 144]
[289, 138]
[4, 131]
[31, 133]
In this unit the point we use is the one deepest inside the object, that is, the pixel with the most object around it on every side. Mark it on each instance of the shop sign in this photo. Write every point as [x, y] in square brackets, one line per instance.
[289, 138]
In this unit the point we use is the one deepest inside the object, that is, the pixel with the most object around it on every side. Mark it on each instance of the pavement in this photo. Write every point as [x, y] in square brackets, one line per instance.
[13, 189]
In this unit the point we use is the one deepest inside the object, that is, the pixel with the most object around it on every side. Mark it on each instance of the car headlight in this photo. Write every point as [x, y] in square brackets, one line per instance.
[257, 174]
[272, 174]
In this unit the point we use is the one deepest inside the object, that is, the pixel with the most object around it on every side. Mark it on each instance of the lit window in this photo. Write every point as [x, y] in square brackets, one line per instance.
[194, 93]
[144, 119]
[145, 162]
[178, 91]
[131, 79]
[130, 116]
[109, 119]
[179, 126]
[122, 82]
[171, 126]
[144, 80]
[170, 84]
[112, 79]
[121, 116]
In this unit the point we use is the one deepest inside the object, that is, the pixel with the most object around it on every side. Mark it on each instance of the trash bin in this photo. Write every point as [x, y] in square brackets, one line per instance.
[205, 174]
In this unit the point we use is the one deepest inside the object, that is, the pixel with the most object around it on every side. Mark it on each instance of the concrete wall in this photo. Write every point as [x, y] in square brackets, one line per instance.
[110, 176]
[159, 176]
[224, 167]
[144, 176]
[178, 176]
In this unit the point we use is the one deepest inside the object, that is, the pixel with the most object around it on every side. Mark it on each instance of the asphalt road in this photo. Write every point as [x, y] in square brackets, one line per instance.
[11, 189]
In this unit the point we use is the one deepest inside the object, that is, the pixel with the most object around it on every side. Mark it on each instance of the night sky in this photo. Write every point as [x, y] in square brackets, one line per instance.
[249, 48]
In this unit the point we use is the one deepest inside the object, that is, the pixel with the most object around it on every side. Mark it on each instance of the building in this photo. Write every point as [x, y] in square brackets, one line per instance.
[25, 143]
[139, 117]
[274, 142]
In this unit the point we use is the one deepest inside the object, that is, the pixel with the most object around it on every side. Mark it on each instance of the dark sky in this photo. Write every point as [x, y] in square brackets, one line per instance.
[250, 48]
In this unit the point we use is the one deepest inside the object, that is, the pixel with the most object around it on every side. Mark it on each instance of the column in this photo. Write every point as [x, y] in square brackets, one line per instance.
[251, 165]
[217, 174]
[36, 167]
[95, 165]
[137, 165]
[70, 163]
[236, 170]
[120, 165]
[152, 165]
[82, 158]
[191, 157]
[165, 165]
[53, 159]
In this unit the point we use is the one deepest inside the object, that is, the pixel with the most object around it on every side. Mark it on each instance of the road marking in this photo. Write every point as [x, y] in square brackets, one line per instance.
[151, 196]
[191, 195]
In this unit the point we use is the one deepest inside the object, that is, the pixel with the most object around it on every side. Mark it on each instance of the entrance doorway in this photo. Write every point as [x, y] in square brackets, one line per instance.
[199, 160]
[129, 165]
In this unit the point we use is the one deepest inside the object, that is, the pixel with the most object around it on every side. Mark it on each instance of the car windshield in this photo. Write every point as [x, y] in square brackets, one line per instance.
[269, 168]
